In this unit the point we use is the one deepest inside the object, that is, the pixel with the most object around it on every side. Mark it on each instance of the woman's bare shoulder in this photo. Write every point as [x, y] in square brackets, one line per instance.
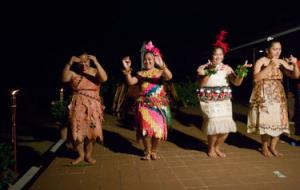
[263, 60]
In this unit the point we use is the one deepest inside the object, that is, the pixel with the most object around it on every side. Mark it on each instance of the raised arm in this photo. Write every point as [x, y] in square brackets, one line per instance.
[67, 73]
[127, 71]
[166, 73]
[101, 74]
[295, 73]
[202, 75]
[237, 78]
[259, 73]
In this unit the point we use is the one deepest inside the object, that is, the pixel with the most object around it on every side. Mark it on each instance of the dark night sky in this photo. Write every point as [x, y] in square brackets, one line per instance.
[38, 39]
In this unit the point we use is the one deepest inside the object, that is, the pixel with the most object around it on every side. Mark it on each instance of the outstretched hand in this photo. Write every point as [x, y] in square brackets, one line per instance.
[242, 70]
[291, 59]
[208, 62]
[126, 63]
[246, 65]
[201, 68]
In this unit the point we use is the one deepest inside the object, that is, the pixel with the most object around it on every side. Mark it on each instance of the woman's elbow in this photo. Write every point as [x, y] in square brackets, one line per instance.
[169, 77]
[65, 79]
[130, 83]
[256, 79]
[104, 78]
[237, 83]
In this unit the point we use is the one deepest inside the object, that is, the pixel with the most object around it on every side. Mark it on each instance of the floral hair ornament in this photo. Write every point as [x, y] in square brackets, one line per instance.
[270, 38]
[220, 41]
[148, 47]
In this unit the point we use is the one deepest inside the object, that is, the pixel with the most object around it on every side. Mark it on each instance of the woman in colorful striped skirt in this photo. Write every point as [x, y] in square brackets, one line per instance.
[152, 109]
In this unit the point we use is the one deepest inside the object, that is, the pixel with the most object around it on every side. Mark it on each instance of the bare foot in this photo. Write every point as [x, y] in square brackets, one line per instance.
[212, 154]
[90, 160]
[77, 160]
[266, 153]
[219, 153]
[154, 156]
[147, 156]
[275, 152]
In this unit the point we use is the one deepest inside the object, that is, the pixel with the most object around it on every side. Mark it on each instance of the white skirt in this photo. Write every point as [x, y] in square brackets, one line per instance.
[217, 117]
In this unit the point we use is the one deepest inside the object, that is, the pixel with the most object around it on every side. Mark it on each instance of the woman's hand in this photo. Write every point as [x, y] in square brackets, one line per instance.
[286, 65]
[246, 65]
[158, 61]
[242, 70]
[275, 63]
[294, 61]
[126, 63]
[74, 59]
[93, 58]
[291, 59]
[201, 68]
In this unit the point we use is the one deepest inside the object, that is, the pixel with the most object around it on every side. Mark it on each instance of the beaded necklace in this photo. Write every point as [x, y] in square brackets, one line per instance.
[149, 73]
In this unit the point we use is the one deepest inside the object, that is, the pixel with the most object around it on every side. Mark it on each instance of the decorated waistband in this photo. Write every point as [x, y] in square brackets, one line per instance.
[216, 93]
[153, 101]
[87, 95]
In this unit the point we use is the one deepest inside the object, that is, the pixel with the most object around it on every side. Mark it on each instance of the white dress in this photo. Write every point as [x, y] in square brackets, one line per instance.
[215, 104]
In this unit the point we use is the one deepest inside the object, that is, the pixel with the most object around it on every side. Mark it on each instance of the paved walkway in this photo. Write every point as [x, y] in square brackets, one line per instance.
[184, 164]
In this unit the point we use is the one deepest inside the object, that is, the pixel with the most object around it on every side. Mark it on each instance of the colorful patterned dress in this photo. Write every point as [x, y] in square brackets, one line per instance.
[86, 109]
[268, 111]
[215, 104]
[153, 111]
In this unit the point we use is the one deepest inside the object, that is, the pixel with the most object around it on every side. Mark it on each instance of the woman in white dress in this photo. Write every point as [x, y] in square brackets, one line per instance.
[215, 96]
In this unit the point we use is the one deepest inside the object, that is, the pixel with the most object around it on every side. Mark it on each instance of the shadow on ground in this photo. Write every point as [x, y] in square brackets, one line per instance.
[289, 140]
[26, 157]
[188, 120]
[239, 140]
[186, 141]
[118, 143]
[127, 121]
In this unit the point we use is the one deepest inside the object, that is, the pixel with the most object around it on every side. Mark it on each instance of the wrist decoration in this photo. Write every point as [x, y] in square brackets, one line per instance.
[126, 72]
[163, 67]
[210, 71]
[241, 71]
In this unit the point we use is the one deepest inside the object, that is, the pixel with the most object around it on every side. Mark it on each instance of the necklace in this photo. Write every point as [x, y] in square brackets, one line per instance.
[149, 73]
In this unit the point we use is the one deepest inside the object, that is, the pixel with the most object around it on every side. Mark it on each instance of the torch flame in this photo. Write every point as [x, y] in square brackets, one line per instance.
[14, 92]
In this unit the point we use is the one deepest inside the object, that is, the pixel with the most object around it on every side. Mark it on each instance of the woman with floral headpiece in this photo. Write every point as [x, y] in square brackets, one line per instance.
[214, 96]
[152, 110]
[268, 115]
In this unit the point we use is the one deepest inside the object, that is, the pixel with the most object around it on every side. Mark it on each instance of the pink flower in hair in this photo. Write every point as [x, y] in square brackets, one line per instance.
[155, 51]
[149, 46]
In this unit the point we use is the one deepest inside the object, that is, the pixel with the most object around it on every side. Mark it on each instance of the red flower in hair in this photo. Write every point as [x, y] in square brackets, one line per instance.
[220, 41]
[155, 51]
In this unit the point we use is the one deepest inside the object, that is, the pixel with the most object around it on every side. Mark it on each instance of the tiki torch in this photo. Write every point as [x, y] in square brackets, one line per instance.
[61, 95]
[14, 134]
